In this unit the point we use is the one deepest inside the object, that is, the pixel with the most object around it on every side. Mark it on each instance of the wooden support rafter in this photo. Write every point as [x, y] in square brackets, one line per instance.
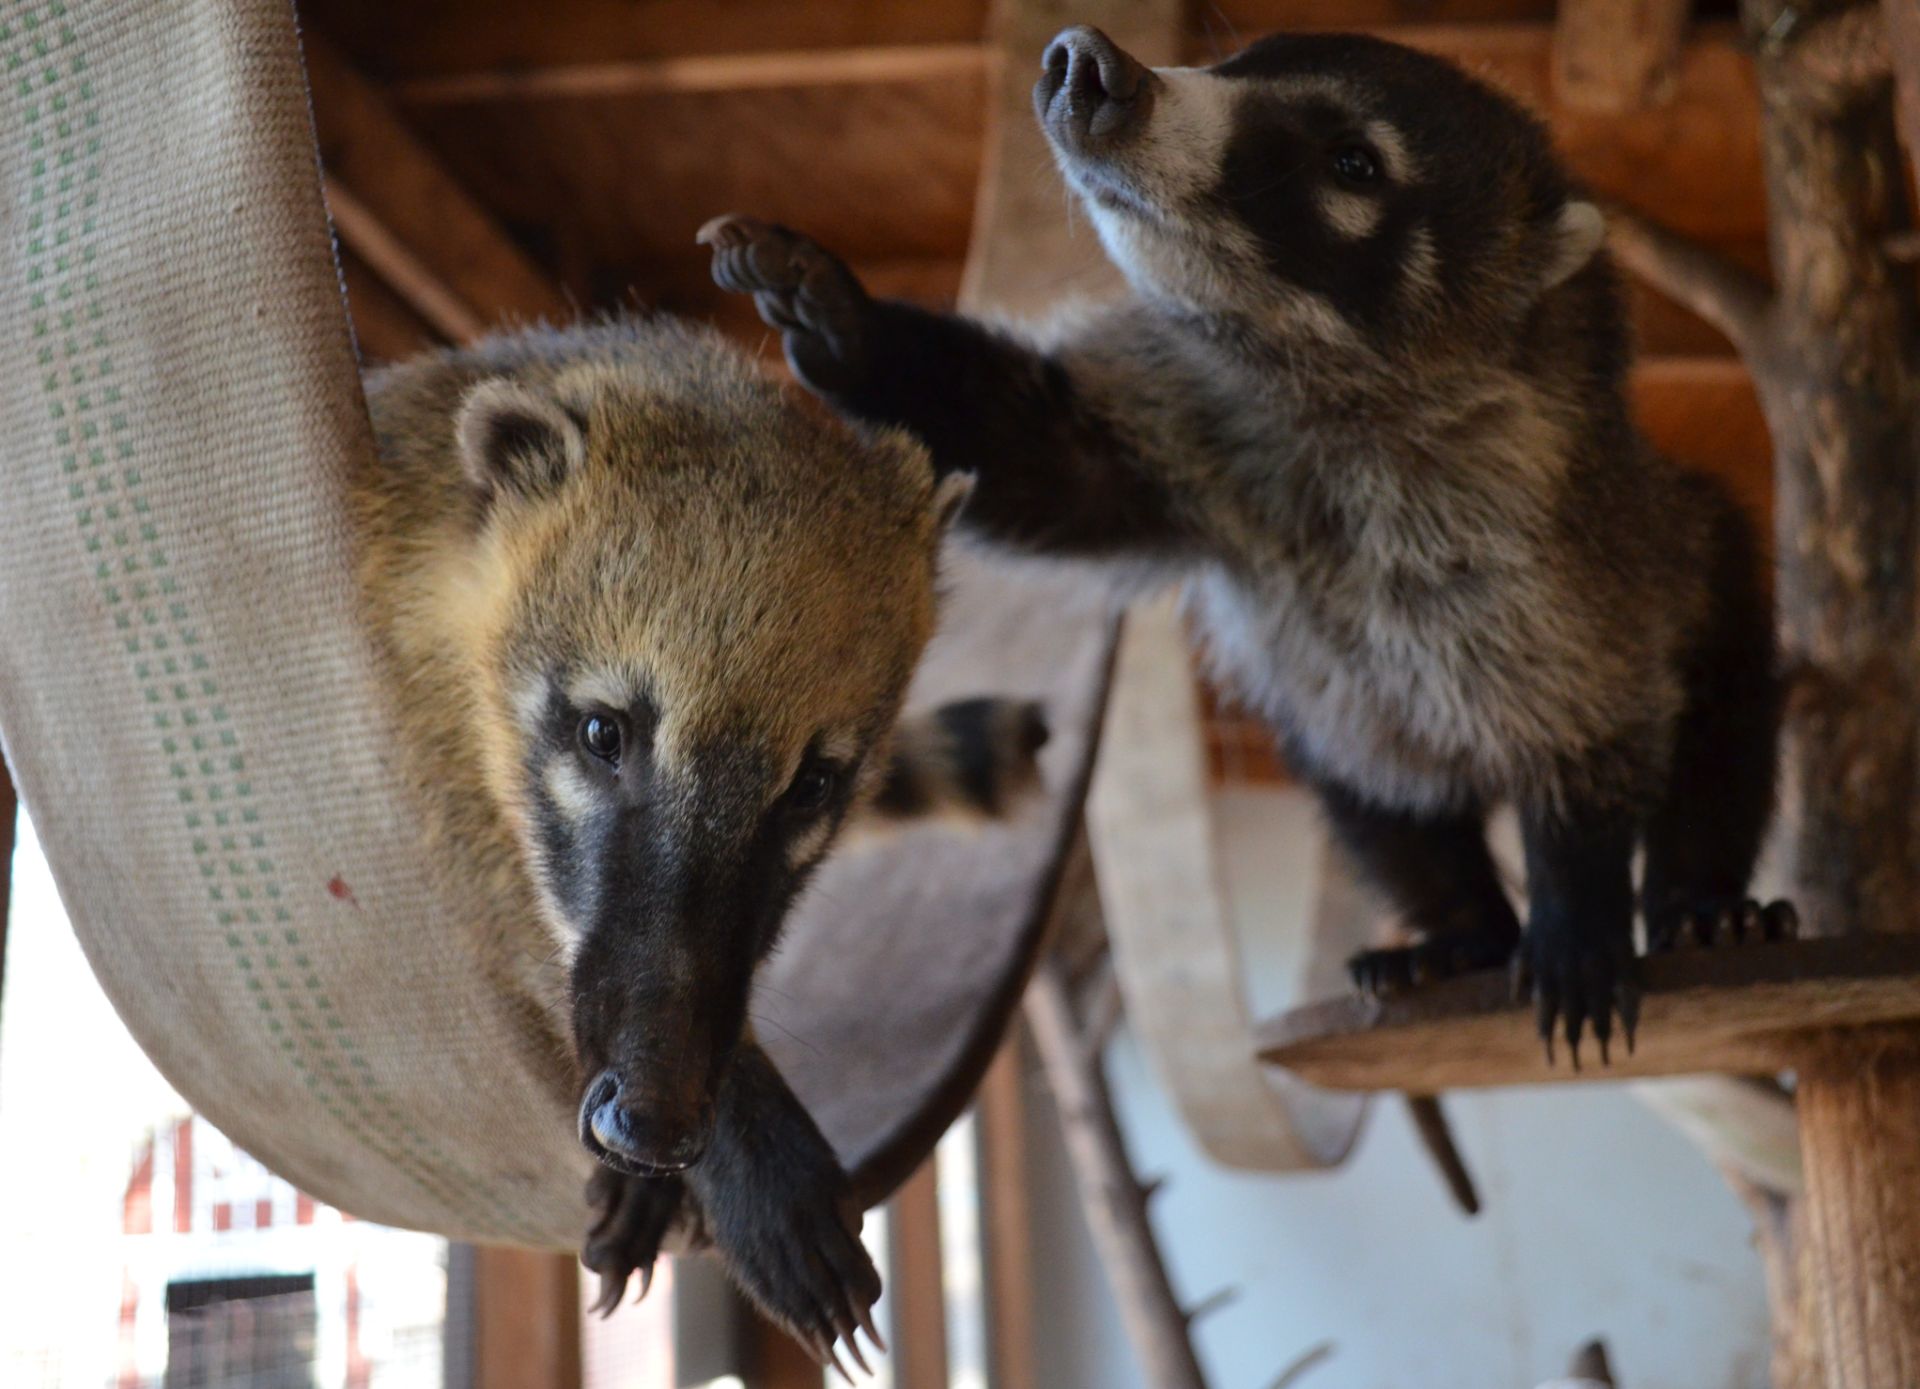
[400, 267]
[1617, 55]
[709, 72]
[404, 215]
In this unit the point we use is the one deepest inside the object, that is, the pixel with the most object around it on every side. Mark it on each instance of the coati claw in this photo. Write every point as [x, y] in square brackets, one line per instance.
[1726, 923]
[1380, 973]
[1579, 986]
[633, 1215]
[800, 288]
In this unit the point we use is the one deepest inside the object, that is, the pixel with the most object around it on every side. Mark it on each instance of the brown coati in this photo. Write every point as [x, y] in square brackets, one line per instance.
[1368, 399]
[646, 624]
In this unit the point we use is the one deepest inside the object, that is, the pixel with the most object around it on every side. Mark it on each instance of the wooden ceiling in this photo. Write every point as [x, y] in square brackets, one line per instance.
[489, 159]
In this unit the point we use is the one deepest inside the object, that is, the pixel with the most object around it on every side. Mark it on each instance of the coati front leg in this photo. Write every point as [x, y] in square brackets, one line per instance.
[771, 1195]
[1054, 473]
[1577, 954]
[1440, 877]
[1705, 831]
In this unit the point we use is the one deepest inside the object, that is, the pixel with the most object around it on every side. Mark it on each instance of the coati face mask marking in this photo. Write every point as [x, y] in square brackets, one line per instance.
[1327, 186]
[701, 629]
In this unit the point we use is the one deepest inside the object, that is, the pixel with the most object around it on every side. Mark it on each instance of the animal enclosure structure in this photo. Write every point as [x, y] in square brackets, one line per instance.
[184, 694]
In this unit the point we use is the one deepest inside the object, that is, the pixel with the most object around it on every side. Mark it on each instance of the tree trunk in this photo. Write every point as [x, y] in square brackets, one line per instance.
[1836, 381]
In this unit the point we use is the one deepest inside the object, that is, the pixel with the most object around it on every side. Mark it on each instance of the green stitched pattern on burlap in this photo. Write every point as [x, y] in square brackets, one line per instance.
[96, 448]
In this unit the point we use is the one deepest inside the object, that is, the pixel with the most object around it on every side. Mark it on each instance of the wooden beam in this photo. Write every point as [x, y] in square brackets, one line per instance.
[404, 41]
[916, 1283]
[408, 218]
[1618, 55]
[711, 72]
[385, 327]
[400, 267]
[526, 1308]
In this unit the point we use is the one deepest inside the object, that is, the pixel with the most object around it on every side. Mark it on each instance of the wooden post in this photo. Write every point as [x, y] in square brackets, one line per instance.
[1836, 379]
[915, 1286]
[1006, 1220]
[526, 1311]
[1860, 1129]
[1114, 1202]
[1832, 349]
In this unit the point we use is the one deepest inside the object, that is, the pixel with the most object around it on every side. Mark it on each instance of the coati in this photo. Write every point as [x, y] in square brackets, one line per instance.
[1368, 399]
[646, 625]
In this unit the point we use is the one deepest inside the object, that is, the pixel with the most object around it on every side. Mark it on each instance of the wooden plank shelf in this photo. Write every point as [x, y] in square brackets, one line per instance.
[1738, 1009]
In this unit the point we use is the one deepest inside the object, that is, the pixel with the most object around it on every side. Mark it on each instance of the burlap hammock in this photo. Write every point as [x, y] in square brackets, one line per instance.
[189, 714]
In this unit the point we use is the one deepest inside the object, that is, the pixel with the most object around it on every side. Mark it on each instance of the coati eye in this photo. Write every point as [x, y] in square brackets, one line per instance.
[812, 789]
[1356, 164]
[600, 736]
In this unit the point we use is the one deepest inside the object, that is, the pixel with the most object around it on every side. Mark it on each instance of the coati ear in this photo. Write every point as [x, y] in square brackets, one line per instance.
[515, 439]
[949, 496]
[1577, 234]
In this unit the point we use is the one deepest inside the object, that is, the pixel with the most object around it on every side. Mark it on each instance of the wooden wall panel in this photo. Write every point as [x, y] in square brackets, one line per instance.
[613, 185]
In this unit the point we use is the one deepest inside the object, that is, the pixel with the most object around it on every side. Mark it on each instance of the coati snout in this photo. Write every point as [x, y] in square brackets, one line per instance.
[677, 881]
[1090, 91]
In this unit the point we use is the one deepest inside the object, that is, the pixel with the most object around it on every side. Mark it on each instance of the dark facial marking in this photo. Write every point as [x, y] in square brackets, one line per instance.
[1484, 168]
[1282, 156]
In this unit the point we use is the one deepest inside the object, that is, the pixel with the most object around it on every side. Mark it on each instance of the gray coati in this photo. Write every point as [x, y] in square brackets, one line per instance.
[1367, 398]
[646, 623]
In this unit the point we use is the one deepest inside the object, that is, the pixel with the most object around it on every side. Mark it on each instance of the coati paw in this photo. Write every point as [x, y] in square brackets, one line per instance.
[800, 288]
[631, 1217]
[1725, 923]
[1578, 979]
[1383, 972]
[797, 1254]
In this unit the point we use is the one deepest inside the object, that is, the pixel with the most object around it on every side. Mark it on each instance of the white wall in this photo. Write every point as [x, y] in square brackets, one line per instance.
[1598, 1219]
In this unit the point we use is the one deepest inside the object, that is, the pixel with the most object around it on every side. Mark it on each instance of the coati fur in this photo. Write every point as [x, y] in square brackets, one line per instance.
[1367, 399]
[646, 623]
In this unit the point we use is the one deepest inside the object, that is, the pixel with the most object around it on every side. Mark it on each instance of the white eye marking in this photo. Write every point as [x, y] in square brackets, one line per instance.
[1394, 152]
[529, 701]
[608, 688]
[806, 847]
[1423, 263]
[1350, 214]
[568, 788]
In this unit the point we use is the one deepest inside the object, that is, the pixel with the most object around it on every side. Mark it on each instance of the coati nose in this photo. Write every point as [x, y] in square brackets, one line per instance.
[1090, 90]
[635, 1143]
